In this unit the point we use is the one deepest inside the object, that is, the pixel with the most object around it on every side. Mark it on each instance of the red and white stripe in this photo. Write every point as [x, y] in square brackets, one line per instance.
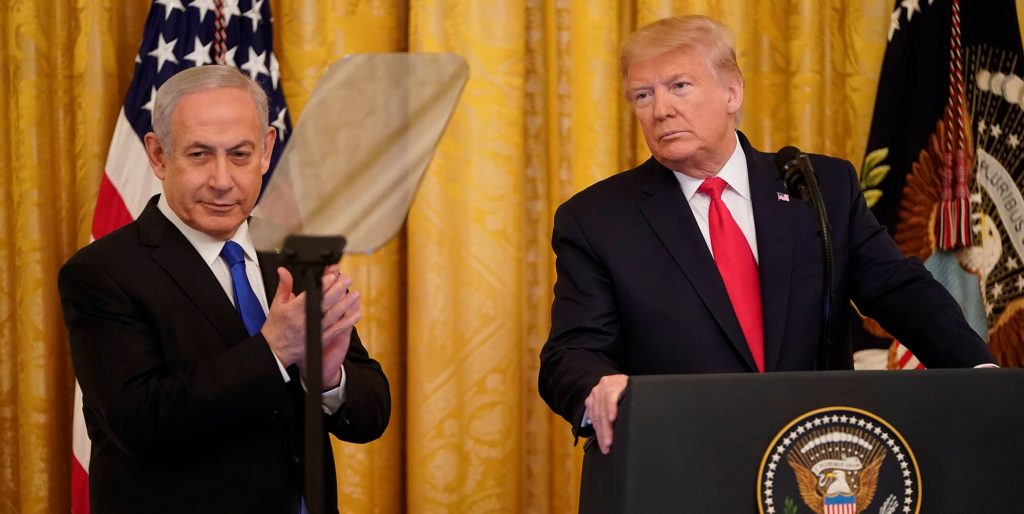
[905, 359]
[128, 183]
[845, 508]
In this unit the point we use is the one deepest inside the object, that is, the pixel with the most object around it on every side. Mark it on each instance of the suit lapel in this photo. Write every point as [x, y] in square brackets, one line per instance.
[669, 215]
[269, 263]
[173, 253]
[774, 220]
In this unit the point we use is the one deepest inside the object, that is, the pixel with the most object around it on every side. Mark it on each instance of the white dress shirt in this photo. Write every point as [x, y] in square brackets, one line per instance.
[209, 249]
[736, 198]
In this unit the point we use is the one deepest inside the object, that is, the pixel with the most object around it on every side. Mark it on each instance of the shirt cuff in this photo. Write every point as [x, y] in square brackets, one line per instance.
[280, 366]
[987, 365]
[333, 399]
[586, 419]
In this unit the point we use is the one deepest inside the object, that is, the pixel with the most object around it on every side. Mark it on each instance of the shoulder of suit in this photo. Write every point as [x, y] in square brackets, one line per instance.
[112, 250]
[615, 187]
[834, 171]
[826, 167]
[828, 161]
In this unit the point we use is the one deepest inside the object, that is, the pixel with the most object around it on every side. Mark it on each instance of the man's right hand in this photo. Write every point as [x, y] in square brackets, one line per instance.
[285, 328]
[603, 407]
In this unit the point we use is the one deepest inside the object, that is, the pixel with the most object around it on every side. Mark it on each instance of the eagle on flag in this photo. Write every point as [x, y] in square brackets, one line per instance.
[944, 167]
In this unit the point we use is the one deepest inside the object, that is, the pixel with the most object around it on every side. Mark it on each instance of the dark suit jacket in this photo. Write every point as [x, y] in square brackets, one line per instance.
[186, 411]
[638, 291]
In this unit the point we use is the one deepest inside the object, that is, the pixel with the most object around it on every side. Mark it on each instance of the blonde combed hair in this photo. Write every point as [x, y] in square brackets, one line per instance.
[683, 32]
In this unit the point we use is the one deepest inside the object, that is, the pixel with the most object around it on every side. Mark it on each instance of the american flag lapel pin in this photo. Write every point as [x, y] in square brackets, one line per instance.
[783, 197]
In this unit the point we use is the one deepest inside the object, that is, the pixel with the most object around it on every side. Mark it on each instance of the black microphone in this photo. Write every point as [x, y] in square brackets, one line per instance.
[797, 174]
[794, 167]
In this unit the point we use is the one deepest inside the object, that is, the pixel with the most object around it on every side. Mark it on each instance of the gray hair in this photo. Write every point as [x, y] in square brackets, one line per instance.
[202, 78]
[683, 32]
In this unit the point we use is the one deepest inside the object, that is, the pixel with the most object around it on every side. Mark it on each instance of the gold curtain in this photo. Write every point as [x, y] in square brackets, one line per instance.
[457, 307]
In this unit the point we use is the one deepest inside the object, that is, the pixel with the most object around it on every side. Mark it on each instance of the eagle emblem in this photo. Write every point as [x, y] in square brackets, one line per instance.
[986, 277]
[837, 461]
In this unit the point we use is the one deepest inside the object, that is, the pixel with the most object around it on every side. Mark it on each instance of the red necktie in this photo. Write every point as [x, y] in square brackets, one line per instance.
[736, 264]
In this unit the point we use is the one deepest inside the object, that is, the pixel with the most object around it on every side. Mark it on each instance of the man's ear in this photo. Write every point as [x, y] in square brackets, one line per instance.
[735, 100]
[156, 154]
[268, 149]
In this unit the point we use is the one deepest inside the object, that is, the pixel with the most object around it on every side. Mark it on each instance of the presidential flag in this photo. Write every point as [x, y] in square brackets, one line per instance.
[178, 34]
[943, 168]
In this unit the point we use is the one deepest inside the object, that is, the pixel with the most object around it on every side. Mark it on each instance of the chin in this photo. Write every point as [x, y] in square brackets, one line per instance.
[221, 230]
[674, 160]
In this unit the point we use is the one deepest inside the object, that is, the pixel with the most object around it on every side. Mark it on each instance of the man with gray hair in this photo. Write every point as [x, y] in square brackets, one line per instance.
[698, 261]
[189, 346]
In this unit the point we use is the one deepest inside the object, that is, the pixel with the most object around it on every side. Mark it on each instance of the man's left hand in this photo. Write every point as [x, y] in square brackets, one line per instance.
[341, 312]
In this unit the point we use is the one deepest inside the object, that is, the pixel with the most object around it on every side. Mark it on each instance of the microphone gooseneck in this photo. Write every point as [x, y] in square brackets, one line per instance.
[797, 174]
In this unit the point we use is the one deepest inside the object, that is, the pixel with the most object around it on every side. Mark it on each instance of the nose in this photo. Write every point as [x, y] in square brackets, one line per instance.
[662, 106]
[220, 175]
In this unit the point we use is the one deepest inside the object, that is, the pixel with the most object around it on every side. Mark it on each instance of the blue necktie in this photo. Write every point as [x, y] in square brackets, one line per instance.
[245, 299]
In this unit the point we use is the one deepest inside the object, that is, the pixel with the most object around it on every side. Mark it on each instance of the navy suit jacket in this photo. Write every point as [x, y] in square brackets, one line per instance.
[186, 411]
[638, 291]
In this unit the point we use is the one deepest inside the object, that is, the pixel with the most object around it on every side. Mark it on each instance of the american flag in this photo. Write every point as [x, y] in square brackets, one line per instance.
[179, 34]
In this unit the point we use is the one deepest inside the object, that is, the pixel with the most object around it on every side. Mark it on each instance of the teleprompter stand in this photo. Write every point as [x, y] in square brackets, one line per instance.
[307, 257]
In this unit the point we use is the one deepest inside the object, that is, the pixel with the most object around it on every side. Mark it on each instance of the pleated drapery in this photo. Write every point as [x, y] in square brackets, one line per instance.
[457, 307]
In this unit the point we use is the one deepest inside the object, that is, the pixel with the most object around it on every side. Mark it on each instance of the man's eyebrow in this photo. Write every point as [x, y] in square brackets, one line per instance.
[632, 88]
[673, 78]
[244, 145]
[197, 145]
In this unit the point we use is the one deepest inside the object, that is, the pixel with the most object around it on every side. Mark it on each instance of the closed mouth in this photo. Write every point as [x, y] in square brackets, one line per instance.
[219, 206]
[669, 134]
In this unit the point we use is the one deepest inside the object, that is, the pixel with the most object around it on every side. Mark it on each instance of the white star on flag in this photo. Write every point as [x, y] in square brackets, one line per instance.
[254, 14]
[911, 6]
[200, 54]
[152, 98]
[256, 64]
[275, 70]
[894, 23]
[229, 57]
[229, 9]
[204, 7]
[170, 5]
[164, 52]
[278, 123]
[997, 291]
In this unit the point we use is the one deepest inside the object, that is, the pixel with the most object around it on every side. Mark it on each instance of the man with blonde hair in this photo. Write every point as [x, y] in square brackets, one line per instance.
[189, 346]
[697, 261]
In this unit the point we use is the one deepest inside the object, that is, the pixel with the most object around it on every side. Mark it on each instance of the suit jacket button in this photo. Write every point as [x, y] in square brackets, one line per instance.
[273, 414]
[295, 459]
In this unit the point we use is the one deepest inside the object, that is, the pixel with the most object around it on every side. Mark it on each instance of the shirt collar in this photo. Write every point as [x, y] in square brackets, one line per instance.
[208, 246]
[734, 173]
